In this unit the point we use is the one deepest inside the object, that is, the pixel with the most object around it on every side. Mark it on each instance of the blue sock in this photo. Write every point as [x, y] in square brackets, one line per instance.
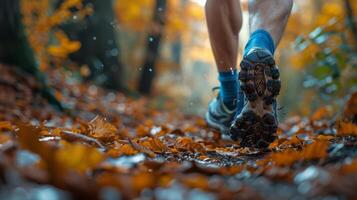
[229, 88]
[260, 38]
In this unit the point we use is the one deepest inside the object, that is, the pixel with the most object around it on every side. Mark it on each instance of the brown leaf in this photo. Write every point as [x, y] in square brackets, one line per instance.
[321, 113]
[350, 168]
[351, 106]
[316, 150]
[28, 138]
[143, 180]
[154, 144]
[142, 149]
[196, 181]
[142, 130]
[101, 129]
[347, 128]
[187, 144]
[125, 149]
[5, 126]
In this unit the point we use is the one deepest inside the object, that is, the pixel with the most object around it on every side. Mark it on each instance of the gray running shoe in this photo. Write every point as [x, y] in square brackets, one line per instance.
[219, 116]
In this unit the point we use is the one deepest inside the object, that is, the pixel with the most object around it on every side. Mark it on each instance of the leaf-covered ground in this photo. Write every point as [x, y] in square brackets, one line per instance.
[113, 147]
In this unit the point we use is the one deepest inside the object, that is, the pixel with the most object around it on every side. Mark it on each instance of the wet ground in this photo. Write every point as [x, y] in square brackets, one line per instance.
[108, 146]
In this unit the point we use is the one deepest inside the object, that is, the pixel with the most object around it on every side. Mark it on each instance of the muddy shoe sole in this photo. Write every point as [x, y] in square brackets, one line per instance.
[256, 125]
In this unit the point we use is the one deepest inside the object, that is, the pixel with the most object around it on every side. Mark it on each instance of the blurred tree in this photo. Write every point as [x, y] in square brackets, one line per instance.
[100, 50]
[152, 51]
[41, 20]
[135, 18]
[351, 20]
[325, 52]
[15, 48]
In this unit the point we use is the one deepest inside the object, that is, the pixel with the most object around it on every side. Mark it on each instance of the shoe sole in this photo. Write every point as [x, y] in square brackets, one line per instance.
[256, 126]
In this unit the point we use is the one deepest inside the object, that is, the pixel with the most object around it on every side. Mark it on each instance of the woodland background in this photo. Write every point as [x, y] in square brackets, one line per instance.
[101, 100]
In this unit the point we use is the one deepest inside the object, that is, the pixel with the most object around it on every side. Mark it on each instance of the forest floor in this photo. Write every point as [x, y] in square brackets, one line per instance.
[112, 147]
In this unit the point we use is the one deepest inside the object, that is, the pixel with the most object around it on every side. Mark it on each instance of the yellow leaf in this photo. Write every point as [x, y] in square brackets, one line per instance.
[5, 126]
[78, 157]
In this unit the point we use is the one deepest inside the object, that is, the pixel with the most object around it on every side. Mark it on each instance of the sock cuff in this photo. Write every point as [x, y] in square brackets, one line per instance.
[262, 35]
[266, 34]
[228, 76]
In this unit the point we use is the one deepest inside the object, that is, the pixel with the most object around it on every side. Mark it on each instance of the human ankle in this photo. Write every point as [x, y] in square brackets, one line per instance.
[229, 88]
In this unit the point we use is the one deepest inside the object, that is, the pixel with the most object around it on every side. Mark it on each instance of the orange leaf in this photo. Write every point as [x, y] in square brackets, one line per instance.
[196, 181]
[316, 150]
[155, 145]
[101, 129]
[125, 149]
[324, 137]
[349, 168]
[347, 128]
[320, 114]
[78, 157]
[5, 126]
[142, 148]
[187, 144]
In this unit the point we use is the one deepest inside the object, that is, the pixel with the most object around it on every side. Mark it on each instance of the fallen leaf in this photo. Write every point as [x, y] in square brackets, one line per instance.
[350, 168]
[78, 157]
[316, 150]
[351, 106]
[321, 113]
[186, 143]
[347, 128]
[99, 128]
[5, 126]
[142, 148]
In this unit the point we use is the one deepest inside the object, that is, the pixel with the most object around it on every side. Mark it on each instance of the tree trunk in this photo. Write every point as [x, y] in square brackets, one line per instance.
[350, 20]
[152, 51]
[16, 50]
[100, 49]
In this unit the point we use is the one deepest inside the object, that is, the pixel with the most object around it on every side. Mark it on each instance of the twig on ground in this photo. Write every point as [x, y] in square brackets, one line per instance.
[70, 136]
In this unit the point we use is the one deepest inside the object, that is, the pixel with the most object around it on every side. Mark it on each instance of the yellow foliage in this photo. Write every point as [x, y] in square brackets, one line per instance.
[299, 59]
[78, 157]
[330, 17]
[136, 15]
[39, 21]
[65, 46]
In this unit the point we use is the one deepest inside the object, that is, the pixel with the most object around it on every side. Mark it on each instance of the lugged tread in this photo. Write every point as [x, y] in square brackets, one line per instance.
[259, 79]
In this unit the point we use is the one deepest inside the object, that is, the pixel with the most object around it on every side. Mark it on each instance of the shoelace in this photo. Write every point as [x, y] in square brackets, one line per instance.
[215, 88]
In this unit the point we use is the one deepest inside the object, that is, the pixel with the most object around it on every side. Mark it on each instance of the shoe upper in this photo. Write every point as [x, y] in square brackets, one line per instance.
[219, 116]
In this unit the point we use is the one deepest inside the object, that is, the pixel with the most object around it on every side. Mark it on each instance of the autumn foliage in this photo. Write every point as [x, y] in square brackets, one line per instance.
[40, 23]
[134, 149]
[108, 145]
